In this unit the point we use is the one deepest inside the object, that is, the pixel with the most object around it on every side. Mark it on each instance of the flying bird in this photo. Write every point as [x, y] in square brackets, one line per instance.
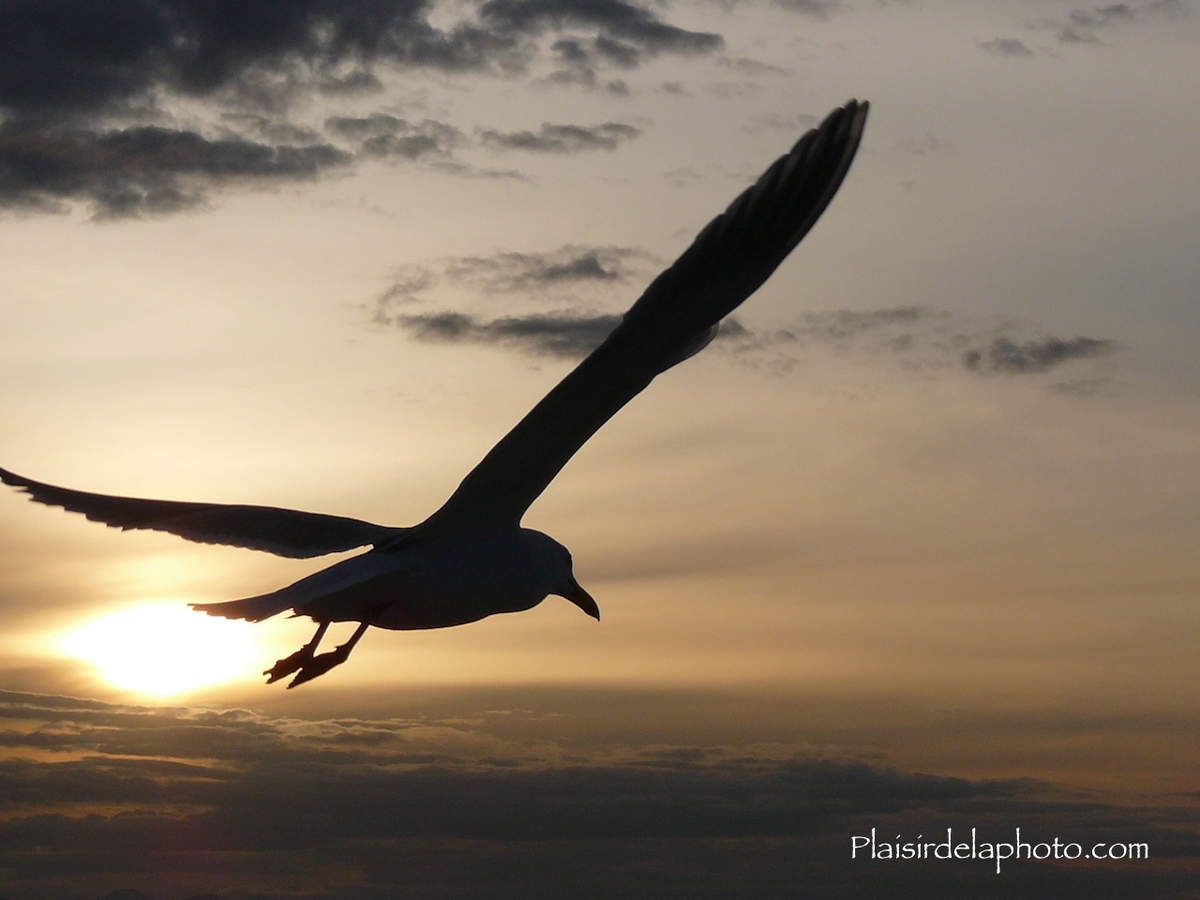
[472, 558]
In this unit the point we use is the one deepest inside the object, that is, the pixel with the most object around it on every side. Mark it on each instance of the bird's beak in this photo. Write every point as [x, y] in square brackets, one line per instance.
[581, 598]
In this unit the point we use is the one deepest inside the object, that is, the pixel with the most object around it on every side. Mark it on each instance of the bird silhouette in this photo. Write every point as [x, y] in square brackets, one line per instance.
[472, 559]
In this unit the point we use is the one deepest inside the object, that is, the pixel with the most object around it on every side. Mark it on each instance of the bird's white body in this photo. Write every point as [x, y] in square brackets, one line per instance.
[430, 583]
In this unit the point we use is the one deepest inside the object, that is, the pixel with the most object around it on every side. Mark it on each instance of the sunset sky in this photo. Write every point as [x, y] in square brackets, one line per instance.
[913, 547]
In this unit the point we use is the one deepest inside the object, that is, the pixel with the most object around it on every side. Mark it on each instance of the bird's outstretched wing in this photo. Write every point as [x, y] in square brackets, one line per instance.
[284, 532]
[676, 317]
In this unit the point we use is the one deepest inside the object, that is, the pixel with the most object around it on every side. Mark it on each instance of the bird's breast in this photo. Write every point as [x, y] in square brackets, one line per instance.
[437, 585]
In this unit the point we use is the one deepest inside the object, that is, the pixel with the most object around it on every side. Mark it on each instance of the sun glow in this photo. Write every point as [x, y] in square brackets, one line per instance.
[164, 649]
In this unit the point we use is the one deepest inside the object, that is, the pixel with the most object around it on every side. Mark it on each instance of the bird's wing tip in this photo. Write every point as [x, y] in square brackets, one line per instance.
[15, 481]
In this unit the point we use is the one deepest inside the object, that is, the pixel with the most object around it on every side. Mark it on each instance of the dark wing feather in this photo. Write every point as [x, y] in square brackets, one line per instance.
[676, 317]
[284, 532]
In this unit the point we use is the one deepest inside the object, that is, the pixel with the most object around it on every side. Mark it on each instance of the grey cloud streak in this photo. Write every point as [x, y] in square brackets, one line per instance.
[566, 334]
[615, 19]
[570, 266]
[144, 170]
[383, 135]
[1007, 357]
[563, 138]
[1013, 48]
[513, 271]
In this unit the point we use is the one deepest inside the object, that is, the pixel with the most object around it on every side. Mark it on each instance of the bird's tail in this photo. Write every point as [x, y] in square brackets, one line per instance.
[252, 609]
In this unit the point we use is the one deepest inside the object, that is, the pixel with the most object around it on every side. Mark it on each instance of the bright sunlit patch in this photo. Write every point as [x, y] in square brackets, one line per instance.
[164, 649]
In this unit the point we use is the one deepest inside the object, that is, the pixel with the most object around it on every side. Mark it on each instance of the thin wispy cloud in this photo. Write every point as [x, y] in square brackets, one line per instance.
[567, 265]
[563, 138]
[1010, 47]
[568, 268]
[1005, 356]
[918, 338]
[1098, 17]
[1085, 25]
[566, 334]
[614, 19]
[581, 62]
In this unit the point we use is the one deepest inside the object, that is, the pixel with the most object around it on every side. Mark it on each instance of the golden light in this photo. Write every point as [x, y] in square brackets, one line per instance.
[164, 649]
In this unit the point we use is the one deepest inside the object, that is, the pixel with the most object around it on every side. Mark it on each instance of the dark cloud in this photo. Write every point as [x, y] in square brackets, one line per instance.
[552, 138]
[570, 264]
[569, 268]
[188, 801]
[130, 172]
[360, 128]
[1013, 48]
[614, 19]
[383, 135]
[567, 334]
[86, 89]
[1008, 357]
[619, 53]
[579, 62]
[66, 59]
[272, 130]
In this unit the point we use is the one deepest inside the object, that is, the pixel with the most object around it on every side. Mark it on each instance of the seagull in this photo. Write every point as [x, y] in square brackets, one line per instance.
[472, 558]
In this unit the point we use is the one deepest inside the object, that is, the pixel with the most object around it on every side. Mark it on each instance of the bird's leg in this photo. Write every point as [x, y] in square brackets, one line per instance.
[290, 664]
[319, 665]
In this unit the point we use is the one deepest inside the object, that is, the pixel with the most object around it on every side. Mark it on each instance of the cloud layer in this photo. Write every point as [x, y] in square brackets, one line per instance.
[557, 138]
[1005, 356]
[173, 800]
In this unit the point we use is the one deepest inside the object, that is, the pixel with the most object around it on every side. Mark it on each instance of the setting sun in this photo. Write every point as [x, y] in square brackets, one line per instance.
[163, 649]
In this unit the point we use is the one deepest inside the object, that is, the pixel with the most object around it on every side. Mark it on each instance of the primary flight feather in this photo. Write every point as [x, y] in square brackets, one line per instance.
[472, 558]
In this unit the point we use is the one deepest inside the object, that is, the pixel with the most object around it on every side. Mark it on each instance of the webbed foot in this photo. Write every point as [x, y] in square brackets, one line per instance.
[319, 665]
[288, 664]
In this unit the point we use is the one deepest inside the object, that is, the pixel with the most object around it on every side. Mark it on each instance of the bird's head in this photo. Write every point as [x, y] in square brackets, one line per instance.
[561, 575]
